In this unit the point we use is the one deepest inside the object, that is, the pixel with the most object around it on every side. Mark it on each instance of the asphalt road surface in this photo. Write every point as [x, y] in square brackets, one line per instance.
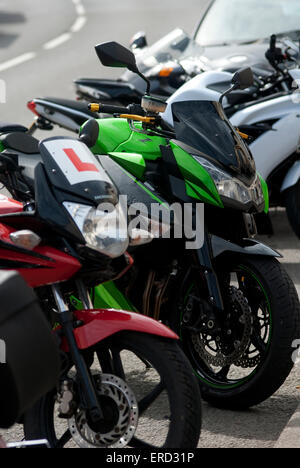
[44, 46]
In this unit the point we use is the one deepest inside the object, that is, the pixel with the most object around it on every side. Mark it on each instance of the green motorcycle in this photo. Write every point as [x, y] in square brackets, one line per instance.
[225, 294]
[230, 300]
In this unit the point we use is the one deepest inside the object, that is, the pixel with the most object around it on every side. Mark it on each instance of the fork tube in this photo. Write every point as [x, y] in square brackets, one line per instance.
[66, 320]
[84, 295]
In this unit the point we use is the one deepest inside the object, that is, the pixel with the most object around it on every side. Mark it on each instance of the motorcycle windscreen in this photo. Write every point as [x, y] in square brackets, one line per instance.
[204, 126]
[72, 168]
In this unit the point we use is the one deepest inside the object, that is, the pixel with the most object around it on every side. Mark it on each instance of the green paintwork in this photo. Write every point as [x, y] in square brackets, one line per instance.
[106, 296]
[115, 135]
[1, 147]
[109, 296]
[143, 144]
[266, 194]
[132, 162]
[199, 183]
[131, 150]
[111, 132]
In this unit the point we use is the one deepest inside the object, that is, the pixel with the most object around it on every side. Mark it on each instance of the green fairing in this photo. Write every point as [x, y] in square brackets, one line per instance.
[115, 135]
[1, 147]
[199, 183]
[111, 132]
[135, 149]
[109, 296]
[132, 162]
[266, 193]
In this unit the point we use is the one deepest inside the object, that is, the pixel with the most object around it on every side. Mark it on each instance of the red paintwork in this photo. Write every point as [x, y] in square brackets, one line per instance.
[80, 166]
[7, 206]
[102, 323]
[59, 267]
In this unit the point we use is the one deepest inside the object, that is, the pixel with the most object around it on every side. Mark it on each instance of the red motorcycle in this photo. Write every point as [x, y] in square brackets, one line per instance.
[124, 380]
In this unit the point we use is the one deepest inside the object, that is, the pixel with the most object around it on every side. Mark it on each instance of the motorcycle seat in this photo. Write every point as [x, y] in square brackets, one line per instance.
[71, 104]
[21, 142]
[11, 127]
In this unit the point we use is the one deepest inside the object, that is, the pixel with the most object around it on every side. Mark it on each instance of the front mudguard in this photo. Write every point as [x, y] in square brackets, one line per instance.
[221, 247]
[103, 323]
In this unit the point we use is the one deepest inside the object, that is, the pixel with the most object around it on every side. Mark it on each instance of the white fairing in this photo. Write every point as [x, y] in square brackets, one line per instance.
[273, 147]
[76, 161]
[197, 90]
[292, 177]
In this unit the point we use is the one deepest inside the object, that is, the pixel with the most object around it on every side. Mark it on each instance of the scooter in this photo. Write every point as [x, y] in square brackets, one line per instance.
[221, 295]
[58, 243]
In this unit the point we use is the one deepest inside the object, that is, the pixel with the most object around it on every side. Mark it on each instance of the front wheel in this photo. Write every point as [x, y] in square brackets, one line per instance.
[292, 203]
[244, 356]
[147, 392]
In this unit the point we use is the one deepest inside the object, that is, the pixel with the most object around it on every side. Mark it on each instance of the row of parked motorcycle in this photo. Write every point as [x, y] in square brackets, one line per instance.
[142, 323]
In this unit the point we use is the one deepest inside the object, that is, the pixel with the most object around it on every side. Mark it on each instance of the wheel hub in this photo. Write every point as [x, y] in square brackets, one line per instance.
[235, 337]
[120, 410]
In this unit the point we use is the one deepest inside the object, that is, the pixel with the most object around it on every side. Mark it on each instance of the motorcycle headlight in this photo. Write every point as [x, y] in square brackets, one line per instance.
[104, 229]
[231, 188]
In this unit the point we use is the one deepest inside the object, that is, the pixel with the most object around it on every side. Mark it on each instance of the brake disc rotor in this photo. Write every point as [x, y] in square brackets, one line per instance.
[222, 356]
[123, 399]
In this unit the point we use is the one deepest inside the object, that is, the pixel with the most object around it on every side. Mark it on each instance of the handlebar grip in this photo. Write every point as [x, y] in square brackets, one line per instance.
[273, 41]
[106, 109]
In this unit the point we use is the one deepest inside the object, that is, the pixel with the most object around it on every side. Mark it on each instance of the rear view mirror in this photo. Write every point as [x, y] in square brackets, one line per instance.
[139, 41]
[243, 79]
[112, 54]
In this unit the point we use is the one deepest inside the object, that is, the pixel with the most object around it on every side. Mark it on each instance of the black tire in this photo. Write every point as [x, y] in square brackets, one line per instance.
[292, 203]
[181, 386]
[276, 362]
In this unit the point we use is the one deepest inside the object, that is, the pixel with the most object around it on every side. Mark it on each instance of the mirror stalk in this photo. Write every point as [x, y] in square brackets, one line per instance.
[147, 81]
[223, 96]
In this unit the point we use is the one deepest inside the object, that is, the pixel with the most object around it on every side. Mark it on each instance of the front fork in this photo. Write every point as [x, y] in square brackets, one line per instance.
[204, 256]
[66, 321]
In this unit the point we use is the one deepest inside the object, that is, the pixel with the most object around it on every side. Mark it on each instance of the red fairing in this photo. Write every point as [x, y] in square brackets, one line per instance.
[42, 266]
[8, 206]
[60, 267]
[102, 323]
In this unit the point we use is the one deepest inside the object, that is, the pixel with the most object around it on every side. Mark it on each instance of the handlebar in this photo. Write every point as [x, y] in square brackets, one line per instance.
[106, 109]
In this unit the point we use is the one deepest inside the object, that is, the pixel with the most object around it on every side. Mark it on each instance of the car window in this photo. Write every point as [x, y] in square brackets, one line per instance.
[230, 21]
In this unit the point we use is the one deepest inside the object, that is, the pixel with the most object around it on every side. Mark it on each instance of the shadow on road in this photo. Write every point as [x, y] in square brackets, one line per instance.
[11, 18]
[263, 423]
[6, 38]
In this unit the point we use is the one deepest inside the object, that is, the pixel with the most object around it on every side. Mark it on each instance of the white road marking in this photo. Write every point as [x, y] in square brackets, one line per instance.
[79, 7]
[17, 61]
[57, 41]
[79, 24]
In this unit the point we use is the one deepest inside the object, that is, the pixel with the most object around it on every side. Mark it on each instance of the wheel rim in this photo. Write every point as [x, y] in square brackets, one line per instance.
[148, 395]
[226, 377]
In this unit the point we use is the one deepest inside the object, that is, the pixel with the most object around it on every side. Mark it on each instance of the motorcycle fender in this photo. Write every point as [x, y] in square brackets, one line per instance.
[103, 323]
[247, 247]
[292, 177]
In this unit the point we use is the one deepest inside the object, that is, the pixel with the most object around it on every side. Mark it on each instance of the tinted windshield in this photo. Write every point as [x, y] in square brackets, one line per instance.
[230, 21]
[203, 125]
